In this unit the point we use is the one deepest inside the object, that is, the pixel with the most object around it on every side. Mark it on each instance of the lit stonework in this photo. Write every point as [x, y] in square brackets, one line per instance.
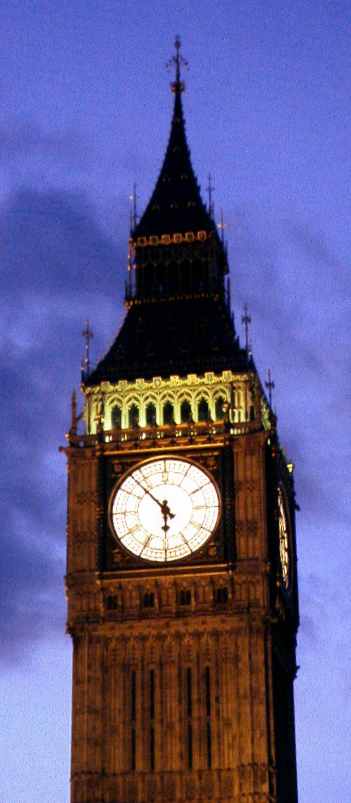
[242, 392]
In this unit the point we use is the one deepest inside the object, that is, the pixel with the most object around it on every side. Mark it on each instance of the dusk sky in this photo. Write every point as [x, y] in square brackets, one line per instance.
[85, 112]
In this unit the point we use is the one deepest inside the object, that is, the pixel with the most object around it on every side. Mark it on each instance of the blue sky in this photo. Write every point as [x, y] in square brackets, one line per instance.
[85, 112]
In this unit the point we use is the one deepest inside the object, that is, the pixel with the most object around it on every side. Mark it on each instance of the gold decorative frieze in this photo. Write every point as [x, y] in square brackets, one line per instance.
[155, 402]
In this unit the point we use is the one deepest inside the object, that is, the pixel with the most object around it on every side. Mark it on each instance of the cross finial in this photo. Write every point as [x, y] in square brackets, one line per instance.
[87, 333]
[246, 320]
[270, 386]
[210, 190]
[177, 60]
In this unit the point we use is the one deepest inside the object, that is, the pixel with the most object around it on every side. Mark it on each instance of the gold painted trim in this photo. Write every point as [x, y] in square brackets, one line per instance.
[172, 239]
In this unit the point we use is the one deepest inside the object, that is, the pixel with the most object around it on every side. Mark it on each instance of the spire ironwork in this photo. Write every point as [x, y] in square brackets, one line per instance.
[210, 189]
[133, 211]
[246, 320]
[177, 60]
[270, 385]
[87, 333]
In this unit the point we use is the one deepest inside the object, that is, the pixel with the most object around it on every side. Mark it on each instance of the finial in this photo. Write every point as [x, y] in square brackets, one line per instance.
[73, 430]
[133, 214]
[87, 334]
[221, 226]
[246, 320]
[177, 86]
[210, 189]
[270, 386]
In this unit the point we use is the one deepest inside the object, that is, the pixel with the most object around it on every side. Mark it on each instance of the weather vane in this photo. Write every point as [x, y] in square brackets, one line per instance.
[270, 385]
[87, 333]
[246, 320]
[177, 60]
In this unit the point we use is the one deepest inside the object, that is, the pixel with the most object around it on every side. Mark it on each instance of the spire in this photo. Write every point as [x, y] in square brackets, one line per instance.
[176, 204]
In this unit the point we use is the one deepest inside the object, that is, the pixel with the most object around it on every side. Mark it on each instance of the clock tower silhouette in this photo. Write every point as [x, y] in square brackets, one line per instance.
[181, 561]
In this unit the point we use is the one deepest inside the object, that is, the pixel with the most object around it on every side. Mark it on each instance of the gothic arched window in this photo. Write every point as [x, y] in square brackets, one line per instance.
[168, 413]
[203, 410]
[219, 409]
[116, 417]
[133, 416]
[185, 412]
[150, 415]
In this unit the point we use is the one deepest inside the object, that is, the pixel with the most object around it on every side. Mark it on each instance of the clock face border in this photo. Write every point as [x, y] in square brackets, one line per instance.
[283, 512]
[130, 471]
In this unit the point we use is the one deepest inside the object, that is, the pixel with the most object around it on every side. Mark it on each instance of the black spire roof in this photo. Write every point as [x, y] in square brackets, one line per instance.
[176, 204]
[179, 320]
[177, 337]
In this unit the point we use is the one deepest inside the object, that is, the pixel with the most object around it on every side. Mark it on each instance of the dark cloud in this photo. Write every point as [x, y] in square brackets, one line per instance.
[25, 138]
[57, 267]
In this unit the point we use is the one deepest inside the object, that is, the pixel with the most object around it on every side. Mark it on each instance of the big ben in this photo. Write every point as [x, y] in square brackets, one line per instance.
[181, 553]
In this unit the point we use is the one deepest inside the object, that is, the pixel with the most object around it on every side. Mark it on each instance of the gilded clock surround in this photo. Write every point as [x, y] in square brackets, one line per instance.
[179, 513]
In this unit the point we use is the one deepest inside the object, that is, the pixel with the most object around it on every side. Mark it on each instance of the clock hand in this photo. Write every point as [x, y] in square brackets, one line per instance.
[166, 513]
[147, 492]
[163, 505]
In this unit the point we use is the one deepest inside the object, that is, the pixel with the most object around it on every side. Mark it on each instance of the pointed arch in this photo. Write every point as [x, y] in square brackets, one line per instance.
[219, 408]
[116, 417]
[150, 414]
[185, 412]
[133, 416]
[203, 410]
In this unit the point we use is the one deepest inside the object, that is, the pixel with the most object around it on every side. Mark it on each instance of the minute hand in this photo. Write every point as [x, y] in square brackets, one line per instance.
[160, 504]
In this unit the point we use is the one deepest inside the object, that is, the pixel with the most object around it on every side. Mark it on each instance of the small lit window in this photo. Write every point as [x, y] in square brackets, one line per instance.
[203, 410]
[133, 416]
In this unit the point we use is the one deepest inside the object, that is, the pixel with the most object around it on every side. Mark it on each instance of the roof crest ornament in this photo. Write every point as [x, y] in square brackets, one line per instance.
[178, 85]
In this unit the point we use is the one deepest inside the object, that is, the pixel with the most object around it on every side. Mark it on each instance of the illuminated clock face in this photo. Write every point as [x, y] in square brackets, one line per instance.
[165, 509]
[283, 539]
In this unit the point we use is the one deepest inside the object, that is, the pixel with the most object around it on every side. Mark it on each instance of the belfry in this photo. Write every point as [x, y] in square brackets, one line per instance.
[181, 553]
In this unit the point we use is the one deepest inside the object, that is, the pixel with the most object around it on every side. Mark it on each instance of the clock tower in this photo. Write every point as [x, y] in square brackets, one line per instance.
[181, 562]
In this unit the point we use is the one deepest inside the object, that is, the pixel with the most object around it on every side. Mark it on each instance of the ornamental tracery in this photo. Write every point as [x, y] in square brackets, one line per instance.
[175, 401]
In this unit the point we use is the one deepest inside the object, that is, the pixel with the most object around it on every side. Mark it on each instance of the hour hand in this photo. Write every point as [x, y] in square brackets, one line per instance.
[166, 514]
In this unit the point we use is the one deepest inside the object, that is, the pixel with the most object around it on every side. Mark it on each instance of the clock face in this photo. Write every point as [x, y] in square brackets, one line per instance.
[165, 509]
[283, 539]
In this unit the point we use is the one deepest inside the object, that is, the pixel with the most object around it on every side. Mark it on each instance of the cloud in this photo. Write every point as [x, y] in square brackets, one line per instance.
[25, 138]
[58, 267]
